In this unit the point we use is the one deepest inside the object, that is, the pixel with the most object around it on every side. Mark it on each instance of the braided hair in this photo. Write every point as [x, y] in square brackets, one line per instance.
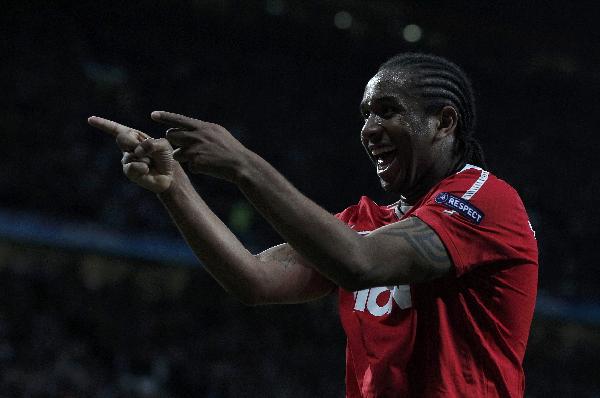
[442, 83]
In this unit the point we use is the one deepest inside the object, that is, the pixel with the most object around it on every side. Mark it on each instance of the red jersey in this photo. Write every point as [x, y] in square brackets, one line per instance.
[380, 323]
[473, 324]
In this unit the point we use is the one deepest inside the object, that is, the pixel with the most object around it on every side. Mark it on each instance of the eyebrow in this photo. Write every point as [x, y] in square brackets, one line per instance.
[384, 98]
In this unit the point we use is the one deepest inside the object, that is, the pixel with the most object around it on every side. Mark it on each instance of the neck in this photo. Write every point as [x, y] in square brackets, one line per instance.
[437, 172]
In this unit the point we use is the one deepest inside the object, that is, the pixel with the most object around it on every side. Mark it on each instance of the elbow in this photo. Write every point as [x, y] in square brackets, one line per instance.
[248, 298]
[356, 275]
[351, 285]
[371, 274]
[357, 270]
[365, 272]
[354, 282]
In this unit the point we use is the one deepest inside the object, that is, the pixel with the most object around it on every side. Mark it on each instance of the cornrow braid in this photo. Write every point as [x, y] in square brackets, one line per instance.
[442, 83]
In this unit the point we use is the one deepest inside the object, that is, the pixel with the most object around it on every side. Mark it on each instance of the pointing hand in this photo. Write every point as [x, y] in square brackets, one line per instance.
[207, 148]
[146, 161]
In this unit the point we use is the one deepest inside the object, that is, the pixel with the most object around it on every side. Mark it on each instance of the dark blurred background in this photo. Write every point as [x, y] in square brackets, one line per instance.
[101, 298]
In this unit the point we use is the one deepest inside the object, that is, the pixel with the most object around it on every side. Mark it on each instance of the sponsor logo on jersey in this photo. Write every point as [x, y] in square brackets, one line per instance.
[378, 301]
[460, 205]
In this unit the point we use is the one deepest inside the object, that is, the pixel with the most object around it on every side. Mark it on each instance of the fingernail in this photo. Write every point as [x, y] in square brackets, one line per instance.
[155, 115]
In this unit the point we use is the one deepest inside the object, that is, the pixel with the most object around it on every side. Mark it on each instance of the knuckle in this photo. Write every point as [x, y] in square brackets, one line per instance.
[142, 149]
[147, 146]
[126, 158]
[127, 170]
[129, 167]
[134, 170]
[147, 143]
[191, 135]
[161, 144]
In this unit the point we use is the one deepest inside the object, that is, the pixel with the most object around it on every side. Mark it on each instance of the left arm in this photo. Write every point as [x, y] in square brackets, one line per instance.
[404, 252]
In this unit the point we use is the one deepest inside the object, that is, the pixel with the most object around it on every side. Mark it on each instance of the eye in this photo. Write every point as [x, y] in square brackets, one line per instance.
[383, 108]
[387, 111]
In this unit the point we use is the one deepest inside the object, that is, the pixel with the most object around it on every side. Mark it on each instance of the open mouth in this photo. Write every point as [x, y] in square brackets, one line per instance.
[383, 156]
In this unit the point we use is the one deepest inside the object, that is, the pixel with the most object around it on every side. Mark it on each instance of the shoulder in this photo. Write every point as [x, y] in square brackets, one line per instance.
[477, 187]
[473, 209]
[475, 197]
[474, 181]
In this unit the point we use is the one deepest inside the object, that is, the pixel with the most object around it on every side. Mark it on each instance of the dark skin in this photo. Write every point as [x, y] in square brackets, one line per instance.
[395, 118]
[321, 252]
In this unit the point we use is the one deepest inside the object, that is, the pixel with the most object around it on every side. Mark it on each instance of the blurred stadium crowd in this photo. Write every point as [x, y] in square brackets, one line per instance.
[76, 325]
[286, 78]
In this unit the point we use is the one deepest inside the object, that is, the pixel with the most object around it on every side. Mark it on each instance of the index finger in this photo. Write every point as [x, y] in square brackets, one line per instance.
[175, 119]
[113, 128]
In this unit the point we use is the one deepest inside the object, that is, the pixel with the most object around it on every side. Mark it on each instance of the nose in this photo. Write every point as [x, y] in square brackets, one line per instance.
[372, 129]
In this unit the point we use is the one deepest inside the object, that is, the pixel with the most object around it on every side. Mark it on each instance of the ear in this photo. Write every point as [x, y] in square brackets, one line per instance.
[447, 122]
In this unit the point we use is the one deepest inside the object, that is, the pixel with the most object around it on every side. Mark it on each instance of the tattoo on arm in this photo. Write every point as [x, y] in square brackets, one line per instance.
[289, 260]
[423, 240]
[290, 278]
[283, 255]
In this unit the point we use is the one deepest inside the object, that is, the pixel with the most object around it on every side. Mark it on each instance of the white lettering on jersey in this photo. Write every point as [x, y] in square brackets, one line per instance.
[368, 299]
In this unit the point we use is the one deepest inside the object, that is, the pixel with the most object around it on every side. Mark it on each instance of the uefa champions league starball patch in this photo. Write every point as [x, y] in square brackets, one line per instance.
[461, 206]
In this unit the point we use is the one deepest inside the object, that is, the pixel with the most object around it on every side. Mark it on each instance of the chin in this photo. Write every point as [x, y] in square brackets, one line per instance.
[395, 187]
[388, 187]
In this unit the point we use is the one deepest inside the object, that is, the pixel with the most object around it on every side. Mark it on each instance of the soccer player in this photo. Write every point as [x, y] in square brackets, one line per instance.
[436, 292]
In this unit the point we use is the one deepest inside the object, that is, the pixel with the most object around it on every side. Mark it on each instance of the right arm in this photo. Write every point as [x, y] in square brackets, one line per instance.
[277, 275]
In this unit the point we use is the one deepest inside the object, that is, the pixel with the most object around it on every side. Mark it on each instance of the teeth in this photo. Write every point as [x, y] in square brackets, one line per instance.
[379, 151]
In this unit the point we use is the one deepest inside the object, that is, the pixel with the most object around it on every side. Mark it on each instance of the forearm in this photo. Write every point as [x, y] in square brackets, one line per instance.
[335, 250]
[219, 250]
[278, 275]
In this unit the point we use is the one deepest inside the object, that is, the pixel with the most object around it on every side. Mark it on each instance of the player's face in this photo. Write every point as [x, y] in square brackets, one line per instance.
[397, 134]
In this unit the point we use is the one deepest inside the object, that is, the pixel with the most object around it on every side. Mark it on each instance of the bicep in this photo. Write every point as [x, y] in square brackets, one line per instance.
[408, 251]
[290, 277]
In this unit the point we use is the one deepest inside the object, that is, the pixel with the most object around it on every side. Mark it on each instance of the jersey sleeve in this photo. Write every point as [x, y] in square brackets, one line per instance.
[481, 220]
